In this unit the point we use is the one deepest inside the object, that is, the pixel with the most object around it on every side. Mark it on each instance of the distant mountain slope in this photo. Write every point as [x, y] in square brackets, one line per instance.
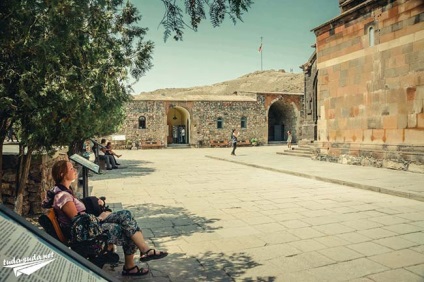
[259, 81]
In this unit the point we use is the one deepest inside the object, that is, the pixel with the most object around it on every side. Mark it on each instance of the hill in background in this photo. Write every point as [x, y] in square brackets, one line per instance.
[257, 82]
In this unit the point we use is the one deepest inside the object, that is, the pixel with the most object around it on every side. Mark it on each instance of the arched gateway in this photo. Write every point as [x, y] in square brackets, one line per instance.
[281, 117]
[178, 122]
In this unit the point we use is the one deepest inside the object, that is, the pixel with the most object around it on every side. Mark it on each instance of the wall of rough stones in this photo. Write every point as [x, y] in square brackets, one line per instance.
[203, 115]
[153, 111]
[39, 181]
[371, 96]
[205, 121]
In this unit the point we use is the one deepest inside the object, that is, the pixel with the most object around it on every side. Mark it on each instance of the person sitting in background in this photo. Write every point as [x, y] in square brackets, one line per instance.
[11, 134]
[122, 229]
[109, 159]
[86, 149]
[109, 151]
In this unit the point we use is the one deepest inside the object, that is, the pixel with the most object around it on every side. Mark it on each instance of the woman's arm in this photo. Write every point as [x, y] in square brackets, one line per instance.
[103, 215]
[70, 210]
[113, 153]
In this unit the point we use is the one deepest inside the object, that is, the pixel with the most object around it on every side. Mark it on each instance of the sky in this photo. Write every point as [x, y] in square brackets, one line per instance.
[213, 55]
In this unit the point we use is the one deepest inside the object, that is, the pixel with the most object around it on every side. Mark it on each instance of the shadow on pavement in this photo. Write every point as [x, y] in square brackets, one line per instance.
[164, 224]
[128, 168]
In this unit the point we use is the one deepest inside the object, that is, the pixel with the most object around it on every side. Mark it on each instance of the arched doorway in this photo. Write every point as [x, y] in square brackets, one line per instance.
[280, 119]
[178, 122]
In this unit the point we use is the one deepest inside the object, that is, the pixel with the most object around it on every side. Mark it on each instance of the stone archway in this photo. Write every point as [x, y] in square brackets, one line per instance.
[178, 121]
[281, 118]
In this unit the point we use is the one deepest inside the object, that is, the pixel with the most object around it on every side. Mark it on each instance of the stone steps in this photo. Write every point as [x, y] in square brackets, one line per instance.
[178, 146]
[298, 151]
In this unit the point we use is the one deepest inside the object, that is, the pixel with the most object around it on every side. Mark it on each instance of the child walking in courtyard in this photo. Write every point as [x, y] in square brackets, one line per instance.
[289, 139]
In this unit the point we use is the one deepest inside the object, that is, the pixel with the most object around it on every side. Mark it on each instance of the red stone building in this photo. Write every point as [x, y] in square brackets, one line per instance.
[369, 85]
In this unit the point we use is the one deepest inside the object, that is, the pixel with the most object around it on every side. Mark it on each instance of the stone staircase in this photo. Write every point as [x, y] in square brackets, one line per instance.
[301, 150]
[178, 146]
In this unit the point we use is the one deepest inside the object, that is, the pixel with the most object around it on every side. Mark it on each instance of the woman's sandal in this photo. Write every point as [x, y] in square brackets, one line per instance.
[155, 255]
[140, 272]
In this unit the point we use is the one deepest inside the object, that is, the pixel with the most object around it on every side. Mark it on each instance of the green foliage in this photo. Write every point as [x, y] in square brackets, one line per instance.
[173, 19]
[65, 64]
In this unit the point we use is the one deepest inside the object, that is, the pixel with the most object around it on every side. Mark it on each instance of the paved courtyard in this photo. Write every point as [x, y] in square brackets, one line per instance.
[227, 221]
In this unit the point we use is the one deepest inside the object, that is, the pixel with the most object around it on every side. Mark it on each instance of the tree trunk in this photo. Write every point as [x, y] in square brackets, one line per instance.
[3, 131]
[23, 177]
[1, 168]
[75, 147]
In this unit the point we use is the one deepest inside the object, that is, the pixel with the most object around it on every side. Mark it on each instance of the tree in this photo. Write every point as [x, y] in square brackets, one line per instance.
[64, 66]
[173, 19]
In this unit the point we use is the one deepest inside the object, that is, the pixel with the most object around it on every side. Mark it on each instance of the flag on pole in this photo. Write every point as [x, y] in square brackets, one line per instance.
[260, 48]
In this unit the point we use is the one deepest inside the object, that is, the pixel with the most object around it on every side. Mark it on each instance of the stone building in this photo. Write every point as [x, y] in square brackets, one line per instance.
[262, 105]
[368, 85]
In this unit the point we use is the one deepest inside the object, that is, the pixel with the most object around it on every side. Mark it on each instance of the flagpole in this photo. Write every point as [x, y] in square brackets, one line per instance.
[261, 54]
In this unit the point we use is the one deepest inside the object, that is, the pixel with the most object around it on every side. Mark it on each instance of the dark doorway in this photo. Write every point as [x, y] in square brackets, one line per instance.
[280, 119]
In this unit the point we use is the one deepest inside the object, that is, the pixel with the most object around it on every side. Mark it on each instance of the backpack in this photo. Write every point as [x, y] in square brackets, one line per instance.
[92, 205]
[87, 236]
[84, 227]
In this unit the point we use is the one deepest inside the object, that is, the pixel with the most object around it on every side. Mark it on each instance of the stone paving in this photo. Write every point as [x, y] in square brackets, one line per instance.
[225, 218]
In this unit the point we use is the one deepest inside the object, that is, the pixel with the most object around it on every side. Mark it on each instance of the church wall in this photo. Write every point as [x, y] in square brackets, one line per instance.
[370, 98]
[309, 125]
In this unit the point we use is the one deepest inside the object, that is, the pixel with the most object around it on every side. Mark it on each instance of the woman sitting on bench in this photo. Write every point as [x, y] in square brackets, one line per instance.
[121, 226]
[111, 152]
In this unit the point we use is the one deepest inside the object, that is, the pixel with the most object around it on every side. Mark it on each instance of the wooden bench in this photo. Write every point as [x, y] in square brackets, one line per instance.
[97, 160]
[151, 145]
[243, 143]
[215, 143]
[51, 225]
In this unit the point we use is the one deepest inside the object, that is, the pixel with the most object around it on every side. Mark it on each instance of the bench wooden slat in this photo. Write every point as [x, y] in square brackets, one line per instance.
[151, 144]
[215, 143]
[50, 223]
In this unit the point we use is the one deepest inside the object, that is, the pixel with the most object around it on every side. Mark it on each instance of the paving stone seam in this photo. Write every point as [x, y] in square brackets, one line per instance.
[402, 194]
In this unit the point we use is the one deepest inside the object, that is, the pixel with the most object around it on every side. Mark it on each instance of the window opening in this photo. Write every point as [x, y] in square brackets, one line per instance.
[243, 122]
[142, 122]
[219, 123]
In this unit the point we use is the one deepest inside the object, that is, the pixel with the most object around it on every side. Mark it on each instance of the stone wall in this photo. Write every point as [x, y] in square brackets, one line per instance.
[371, 85]
[39, 181]
[310, 106]
[201, 117]
[398, 157]
[153, 111]
[205, 116]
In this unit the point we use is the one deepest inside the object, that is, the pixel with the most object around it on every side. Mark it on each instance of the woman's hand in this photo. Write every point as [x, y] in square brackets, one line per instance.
[103, 215]
[101, 202]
